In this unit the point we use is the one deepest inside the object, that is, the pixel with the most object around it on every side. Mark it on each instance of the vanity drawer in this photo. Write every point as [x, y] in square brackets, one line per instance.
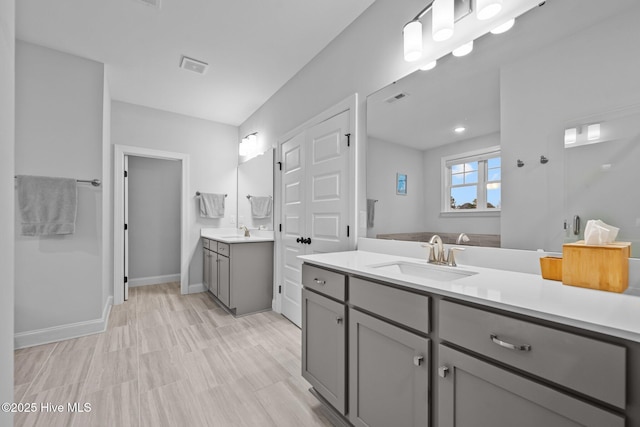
[205, 243]
[589, 366]
[404, 307]
[223, 249]
[323, 281]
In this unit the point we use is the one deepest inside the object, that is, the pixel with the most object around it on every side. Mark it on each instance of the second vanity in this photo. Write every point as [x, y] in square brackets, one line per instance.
[391, 340]
[238, 270]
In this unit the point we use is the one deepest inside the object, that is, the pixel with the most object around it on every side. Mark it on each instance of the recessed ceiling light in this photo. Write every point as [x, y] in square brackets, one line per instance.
[463, 50]
[460, 129]
[503, 28]
[429, 66]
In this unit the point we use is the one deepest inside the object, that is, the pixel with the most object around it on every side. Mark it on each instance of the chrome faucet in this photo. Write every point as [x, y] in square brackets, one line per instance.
[462, 238]
[439, 256]
[246, 230]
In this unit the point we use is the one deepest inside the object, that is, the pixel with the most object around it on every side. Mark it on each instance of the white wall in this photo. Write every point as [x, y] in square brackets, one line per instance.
[255, 177]
[107, 196]
[7, 109]
[154, 217]
[395, 213]
[59, 113]
[213, 151]
[533, 92]
[454, 223]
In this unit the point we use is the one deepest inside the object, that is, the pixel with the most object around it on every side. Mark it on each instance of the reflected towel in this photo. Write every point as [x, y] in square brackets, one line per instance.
[371, 212]
[211, 205]
[48, 206]
[261, 206]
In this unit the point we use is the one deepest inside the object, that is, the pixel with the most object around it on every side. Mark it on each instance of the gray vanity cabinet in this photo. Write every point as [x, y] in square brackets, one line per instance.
[473, 393]
[324, 347]
[224, 283]
[206, 262]
[388, 374]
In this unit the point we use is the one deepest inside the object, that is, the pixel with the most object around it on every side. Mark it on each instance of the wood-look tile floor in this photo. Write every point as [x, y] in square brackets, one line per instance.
[172, 360]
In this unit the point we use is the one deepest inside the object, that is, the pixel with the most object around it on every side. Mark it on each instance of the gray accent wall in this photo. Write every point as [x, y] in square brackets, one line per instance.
[7, 107]
[59, 113]
[154, 217]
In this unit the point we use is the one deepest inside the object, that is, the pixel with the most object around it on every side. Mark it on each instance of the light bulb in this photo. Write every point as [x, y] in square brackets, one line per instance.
[593, 132]
[503, 28]
[463, 50]
[244, 145]
[443, 16]
[487, 9]
[570, 135]
[412, 34]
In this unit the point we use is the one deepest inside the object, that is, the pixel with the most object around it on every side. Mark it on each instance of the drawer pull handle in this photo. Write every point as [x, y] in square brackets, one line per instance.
[443, 371]
[320, 282]
[417, 360]
[523, 347]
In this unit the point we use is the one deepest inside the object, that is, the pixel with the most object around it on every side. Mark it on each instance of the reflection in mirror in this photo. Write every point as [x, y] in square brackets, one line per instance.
[255, 179]
[563, 65]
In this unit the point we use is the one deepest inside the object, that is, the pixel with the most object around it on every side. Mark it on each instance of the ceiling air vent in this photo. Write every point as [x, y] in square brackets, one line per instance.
[152, 3]
[396, 97]
[193, 65]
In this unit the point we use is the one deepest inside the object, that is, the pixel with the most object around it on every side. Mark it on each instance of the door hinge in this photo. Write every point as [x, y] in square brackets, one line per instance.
[279, 165]
[126, 226]
[280, 289]
[280, 228]
[126, 279]
[348, 135]
[347, 231]
[126, 174]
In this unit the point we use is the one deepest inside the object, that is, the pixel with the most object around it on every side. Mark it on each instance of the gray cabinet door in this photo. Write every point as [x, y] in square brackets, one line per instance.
[474, 393]
[213, 274]
[206, 268]
[388, 374]
[324, 347]
[223, 280]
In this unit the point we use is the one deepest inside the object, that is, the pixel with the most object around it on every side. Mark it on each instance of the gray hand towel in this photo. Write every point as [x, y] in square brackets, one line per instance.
[261, 206]
[48, 206]
[371, 212]
[211, 205]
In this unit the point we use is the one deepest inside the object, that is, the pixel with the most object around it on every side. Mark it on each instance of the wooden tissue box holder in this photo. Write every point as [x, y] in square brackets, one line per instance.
[603, 267]
[551, 268]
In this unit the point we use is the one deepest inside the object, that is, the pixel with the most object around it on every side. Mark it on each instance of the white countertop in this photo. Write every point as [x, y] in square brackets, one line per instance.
[232, 235]
[529, 294]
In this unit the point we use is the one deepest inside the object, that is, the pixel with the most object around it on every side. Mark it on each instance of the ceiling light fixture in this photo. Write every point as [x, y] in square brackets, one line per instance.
[570, 135]
[249, 145]
[463, 50]
[412, 34]
[442, 20]
[593, 132]
[503, 28]
[429, 66]
[487, 9]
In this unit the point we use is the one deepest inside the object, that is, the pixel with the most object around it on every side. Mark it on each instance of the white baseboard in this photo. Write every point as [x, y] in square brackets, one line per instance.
[154, 280]
[195, 288]
[64, 332]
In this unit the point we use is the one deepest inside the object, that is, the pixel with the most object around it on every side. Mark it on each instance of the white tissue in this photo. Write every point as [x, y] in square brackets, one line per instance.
[598, 233]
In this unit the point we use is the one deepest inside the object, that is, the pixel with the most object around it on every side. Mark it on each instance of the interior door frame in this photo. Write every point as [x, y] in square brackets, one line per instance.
[349, 104]
[120, 151]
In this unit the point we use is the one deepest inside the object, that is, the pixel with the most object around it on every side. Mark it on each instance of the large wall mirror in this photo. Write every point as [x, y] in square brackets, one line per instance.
[507, 179]
[255, 192]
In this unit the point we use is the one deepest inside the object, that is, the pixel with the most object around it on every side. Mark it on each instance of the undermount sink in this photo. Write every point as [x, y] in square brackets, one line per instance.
[425, 271]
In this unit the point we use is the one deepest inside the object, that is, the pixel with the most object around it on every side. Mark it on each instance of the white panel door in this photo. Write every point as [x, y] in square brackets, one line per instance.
[315, 202]
[293, 211]
[327, 176]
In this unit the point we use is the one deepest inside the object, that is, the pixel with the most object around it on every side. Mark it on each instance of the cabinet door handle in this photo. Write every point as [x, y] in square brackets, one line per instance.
[338, 320]
[443, 371]
[417, 360]
[523, 347]
[320, 282]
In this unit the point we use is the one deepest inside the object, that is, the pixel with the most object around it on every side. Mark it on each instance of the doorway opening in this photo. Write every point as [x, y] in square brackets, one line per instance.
[120, 232]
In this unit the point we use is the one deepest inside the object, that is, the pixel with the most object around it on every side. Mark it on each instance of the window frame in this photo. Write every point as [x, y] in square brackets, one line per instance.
[481, 156]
